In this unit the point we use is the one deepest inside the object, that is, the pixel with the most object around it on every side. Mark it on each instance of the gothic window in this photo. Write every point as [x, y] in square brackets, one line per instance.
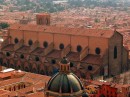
[30, 42]
[45, 44]
[27, 69]
[47, 22]
[16, 40]
[71, 64]
[53, 61]
[22, 56]
[7, 54]
[90, 68]
[115, 52]
[97, 51]
[37, 58]
[42, 72]
[61, 46]
[79, 48]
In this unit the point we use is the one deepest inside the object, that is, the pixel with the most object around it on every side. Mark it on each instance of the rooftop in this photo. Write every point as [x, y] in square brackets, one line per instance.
[104, 33]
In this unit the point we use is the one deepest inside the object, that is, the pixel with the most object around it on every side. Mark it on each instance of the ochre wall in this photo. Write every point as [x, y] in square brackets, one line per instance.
[78, 40]
[30, 35]
[83, 41]
[45, 37]
[99, 42]
[59, 38]
[16, 34]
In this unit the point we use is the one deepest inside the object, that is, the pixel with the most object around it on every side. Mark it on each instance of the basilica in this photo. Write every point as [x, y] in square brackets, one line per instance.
[39, 47]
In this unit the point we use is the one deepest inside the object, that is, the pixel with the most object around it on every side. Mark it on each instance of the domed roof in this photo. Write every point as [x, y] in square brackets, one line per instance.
[65, 84]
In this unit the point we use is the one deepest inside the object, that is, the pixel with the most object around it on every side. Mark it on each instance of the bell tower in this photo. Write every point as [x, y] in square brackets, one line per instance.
[43, 19]
[64, 65]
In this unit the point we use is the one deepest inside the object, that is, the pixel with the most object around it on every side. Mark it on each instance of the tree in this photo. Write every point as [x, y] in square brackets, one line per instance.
[4, 25]
[97, 20]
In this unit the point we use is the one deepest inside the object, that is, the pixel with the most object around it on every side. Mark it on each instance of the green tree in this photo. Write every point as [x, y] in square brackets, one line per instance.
[97, 20]
[4, 25]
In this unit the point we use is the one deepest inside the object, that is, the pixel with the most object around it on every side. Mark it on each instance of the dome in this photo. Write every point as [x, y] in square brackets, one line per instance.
[65, 84]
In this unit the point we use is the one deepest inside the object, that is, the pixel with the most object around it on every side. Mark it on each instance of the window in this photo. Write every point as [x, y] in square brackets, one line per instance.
[22, 56]
[115, 52]
[53, 61]
[90, 68]
[47, 22]
[45, 44]
[30, 42]
[16, 40]
[97, 51]
[61, 46]
[79, 48]
[7, 54]
[71, 64]
[37, 58]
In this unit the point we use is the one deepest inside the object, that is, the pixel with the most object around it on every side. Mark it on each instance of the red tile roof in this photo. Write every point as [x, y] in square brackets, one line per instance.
[105, 33]
[93, 59]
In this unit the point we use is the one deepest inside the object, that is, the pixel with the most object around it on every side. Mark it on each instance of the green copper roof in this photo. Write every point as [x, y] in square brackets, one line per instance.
[65, 83]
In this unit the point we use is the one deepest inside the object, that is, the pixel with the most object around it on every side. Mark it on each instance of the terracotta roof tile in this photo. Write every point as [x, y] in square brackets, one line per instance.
[105, 33]
[55, 54]
[93, 59]
[74, 56]
[23, 49]
[9, 47]
[38, 51]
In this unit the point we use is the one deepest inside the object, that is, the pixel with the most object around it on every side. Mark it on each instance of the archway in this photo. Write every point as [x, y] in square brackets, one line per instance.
[12, 66]
[5, 64]
[1, 61]
[102, 95]
[18, 67]
[26, 69]
[34, 70]
[42, 72]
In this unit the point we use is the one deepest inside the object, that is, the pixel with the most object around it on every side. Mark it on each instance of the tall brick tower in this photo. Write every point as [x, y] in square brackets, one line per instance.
[43, 19]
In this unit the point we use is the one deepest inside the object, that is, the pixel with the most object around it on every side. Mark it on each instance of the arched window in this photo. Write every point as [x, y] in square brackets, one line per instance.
[30, 42]
[47, 22]
[115, 52]
[22, 56]
[45, 44]
[97, 51]
[42, 72]
[61, 46]
[90, 68]
[14, 88]
[79, 48]
[37, 58]
[53, 61]
[71, 64]
[7, 54]
[5, 64]
[16, 40]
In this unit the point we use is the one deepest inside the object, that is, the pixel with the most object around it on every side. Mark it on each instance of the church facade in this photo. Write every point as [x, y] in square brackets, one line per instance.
[38, 48]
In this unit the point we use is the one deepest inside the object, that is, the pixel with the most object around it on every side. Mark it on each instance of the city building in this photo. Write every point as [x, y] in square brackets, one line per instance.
[107, 89]
[39, 48]
[17, 83]
[23, 84]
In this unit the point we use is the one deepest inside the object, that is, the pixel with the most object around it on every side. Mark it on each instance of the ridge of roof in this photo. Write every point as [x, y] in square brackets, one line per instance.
[104, 33]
